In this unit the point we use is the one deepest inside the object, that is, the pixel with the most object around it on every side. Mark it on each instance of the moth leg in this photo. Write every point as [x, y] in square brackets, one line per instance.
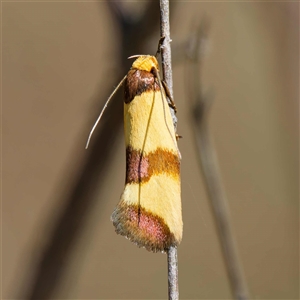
[160, 42]
[167, 91]
[172, 103]
[178, 136]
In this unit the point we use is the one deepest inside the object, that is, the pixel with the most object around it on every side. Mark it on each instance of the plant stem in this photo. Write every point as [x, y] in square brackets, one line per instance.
[167, 77]
[173, 274]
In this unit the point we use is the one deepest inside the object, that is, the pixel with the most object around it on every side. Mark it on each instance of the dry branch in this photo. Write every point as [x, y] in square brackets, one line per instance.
[168, 78]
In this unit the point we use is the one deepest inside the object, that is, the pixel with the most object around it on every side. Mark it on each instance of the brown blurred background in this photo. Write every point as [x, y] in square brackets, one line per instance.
[61, 60]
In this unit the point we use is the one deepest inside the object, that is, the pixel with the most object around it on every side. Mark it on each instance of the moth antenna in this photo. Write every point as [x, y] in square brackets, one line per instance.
[162, 98]
[134, 56]
[102, 111]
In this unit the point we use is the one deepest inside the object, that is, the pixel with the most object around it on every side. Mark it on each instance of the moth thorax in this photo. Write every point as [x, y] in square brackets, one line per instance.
[145, 63]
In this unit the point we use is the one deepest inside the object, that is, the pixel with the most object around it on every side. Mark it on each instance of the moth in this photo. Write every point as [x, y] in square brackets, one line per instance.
[149, 211]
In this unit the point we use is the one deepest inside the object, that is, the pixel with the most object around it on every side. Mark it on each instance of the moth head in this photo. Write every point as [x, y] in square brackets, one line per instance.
[145, 63]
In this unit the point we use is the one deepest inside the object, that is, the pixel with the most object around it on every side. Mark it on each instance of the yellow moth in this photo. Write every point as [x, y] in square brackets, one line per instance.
[149, 211]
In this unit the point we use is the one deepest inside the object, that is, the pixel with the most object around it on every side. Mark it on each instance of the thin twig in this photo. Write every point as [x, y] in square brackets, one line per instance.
[166, 51]
[173, 274]
[167, 76]
[209, 164]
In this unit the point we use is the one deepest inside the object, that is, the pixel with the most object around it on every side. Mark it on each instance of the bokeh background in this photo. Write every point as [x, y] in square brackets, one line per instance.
[60, 62]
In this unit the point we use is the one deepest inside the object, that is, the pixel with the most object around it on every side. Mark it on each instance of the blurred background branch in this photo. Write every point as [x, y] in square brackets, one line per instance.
[200, 105]
[79, 200]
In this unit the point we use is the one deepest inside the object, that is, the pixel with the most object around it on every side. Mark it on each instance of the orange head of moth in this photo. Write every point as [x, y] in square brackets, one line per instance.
[145, 63]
